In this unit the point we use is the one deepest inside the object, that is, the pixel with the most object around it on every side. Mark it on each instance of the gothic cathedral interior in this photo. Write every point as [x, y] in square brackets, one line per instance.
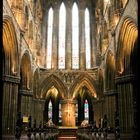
[70, 63]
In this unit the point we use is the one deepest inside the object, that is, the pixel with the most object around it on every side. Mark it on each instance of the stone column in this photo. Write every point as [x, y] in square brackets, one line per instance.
[68, 38]
[26, 102]
[38, 110]
[44, 36]
[9, 107]
[55, 38]
[125, 102]
[81, 112]
[82, 59]
[93, 37]
[110, 105]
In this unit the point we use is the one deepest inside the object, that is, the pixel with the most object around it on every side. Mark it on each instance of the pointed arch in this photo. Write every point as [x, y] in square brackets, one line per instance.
[10, 47]
[84, 81]
[127, 37]
[125, 76]
[50, 81]
[110, 71]
[51, 109]
[35, 83]
[10, 74]
[26, 72]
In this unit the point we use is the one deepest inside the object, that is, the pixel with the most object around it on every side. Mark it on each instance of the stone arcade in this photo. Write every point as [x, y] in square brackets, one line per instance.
[70, 62]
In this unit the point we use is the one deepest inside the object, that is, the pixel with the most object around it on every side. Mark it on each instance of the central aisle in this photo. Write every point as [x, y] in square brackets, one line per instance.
[66, 138]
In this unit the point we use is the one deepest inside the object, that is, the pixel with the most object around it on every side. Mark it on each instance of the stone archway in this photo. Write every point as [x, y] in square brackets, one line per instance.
[25, 87]
[125, 76]
[110, 94]
[47, 87]
[52, 96]
[83, 90]
[10, 76]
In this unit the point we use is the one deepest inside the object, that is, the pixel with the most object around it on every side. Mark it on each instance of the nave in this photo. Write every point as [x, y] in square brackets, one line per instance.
[70, 61]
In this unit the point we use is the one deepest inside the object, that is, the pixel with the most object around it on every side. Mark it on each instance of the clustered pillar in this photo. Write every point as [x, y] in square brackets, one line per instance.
[9, 108]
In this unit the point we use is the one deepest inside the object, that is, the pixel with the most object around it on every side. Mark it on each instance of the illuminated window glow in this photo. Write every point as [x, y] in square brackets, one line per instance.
[49, 39]
[62, 26]
[50, 110]
[86, 111]
[75, 37]
[87, 39]
[60, 114]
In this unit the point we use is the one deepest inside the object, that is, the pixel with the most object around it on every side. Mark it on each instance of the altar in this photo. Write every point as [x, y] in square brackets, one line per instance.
[68, 113]
[68, 131]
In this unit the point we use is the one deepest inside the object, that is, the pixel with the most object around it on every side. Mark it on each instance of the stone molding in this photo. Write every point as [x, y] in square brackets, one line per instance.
[124, 79]
[11, 79]
[110, 92]
[65, 101]
[26, 92]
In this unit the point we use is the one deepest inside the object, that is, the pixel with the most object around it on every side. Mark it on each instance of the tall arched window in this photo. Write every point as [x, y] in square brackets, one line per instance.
[86, 110]
[87, 39]
[62, 31]
[49, 39]
[75, 37]
[50, 110]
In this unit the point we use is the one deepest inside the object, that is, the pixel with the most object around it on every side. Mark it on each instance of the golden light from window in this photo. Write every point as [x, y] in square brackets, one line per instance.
[124, 2]
[10, 2]
[14, 67]
[115, 20]
[121, 68]
[95, 95]
[99, 29]
[53, 91]
[106, 1]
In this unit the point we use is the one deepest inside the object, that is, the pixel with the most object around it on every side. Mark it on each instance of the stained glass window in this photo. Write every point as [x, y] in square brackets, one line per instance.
[75, 37]
[49, 39]
[87, 39]
[62, 26]
[76, 113]
[50, 110]
[60, 114]
[86, 111]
